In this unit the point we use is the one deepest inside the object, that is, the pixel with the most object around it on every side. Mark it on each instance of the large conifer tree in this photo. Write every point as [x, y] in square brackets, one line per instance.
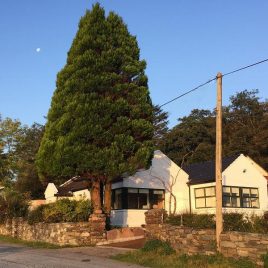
[100, 121]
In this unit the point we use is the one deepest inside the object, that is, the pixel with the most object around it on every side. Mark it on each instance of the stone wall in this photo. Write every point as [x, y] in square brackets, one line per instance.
[237, 244]
[190, 241]
[182, 239]
[78, 234]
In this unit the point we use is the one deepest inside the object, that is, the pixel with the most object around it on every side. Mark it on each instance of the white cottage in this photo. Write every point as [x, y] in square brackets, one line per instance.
[166, 185]
[132, 196]
[244, 186]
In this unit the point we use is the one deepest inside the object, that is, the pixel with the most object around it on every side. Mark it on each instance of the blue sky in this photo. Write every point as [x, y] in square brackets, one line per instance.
[184, 43]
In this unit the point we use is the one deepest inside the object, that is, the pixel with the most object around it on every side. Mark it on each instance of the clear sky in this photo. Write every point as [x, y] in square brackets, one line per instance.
[184, 43]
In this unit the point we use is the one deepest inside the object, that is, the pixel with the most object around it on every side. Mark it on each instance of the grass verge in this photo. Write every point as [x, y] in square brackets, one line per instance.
[32, 244]
[158, 254]
[155, 260]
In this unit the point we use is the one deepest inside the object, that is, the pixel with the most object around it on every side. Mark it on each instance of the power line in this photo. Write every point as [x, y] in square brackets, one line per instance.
[212, 79]
[243, 68]
[189, 91]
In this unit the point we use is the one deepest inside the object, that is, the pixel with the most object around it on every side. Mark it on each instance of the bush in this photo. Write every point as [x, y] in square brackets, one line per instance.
[197, 221]
[63, 210]
[36, 215]
[159, 246]
[13, 204]
[231, 222]
[236, 222]
[265, 260]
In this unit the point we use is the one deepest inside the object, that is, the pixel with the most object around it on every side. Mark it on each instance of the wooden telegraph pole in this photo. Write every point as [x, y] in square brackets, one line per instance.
[219, 220]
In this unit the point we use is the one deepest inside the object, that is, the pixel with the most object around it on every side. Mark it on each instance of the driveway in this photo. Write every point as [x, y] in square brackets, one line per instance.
[18, 256]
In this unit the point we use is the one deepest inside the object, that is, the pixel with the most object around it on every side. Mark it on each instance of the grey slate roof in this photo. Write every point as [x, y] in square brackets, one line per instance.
[204, 172]
[73, 185]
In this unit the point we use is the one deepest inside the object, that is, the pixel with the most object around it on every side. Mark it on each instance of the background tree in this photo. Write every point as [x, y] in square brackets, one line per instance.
[99, 125]
[194, 133]
[27, 180]
[10, 135]
[160, 122]
[245, 130]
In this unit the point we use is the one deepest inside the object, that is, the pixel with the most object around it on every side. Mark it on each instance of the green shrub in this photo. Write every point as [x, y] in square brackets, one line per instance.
[60, 211]
[236, 222]
[63, 210]
[82, 210]
[13, 204]
[197, 221]
[36, 215]
[265, 260]
[259, 224]
[161, 247]
[231, 222]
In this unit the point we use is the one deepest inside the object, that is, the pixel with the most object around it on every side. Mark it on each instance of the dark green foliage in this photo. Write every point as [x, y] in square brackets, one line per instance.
[64, 210]
[36, 215]
[265, 260]
[197, 221]
[27, 178]
[160, 122]
[163, 248]
[18, 147]
[100, 121]
[13, 204]
[236, 222]
[245, 131]
[231, 222]
[10, 135]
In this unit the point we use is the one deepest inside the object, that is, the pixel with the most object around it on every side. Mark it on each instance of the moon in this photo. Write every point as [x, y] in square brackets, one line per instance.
[38, 49]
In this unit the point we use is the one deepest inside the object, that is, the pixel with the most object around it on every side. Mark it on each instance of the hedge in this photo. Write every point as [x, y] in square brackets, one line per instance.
[231, 222]
[63, 210]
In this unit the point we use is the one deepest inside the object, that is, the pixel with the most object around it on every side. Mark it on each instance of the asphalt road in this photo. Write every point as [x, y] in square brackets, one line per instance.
[17, 256]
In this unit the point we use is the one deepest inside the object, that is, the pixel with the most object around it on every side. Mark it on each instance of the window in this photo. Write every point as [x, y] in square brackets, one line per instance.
[205, 197]
[230, 197]
[250, 197]
[143, 199]
[134, 198]
[117, 196]
[157, 198]
[138, 198]
[237, 197]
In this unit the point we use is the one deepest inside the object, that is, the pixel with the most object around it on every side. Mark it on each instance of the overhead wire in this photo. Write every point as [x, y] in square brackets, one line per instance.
[213, 79]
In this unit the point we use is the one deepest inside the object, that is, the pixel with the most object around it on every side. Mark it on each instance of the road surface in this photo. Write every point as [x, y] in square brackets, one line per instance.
[17, 256]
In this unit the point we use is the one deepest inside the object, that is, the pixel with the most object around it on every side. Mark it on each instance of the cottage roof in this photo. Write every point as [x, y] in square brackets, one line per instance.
[204, 172]
[73, 185]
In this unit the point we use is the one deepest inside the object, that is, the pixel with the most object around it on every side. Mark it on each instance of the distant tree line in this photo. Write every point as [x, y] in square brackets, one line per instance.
[245, 130]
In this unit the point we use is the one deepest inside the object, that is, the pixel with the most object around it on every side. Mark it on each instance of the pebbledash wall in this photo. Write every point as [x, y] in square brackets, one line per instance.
[82, 233]
[203, 241]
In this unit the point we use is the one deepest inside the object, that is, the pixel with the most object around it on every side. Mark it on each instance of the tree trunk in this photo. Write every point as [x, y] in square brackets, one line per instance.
[108, 197]
[95, 195]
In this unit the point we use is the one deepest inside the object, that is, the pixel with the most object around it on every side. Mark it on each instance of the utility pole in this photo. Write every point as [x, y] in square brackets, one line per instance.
[218, 167]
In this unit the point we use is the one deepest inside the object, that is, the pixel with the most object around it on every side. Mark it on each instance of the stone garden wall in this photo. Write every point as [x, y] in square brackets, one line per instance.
[183, 239]
[78, 234]
[191, 241]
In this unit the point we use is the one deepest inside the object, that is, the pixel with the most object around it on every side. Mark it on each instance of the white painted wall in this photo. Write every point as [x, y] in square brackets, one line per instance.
[160, 176]
[128, 217]
[243, 172]
[52, 190]
[82, 194]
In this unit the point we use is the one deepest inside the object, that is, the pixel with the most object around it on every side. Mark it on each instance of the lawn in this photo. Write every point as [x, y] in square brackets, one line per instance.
[32, 244]
[155, 260]
[159, 254]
